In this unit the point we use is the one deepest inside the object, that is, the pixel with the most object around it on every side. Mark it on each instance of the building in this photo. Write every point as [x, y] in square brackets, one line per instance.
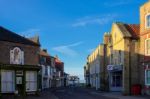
[95, 70]
[66, 79]
[95, 64]
[52, 72]
[59, 65]
[73, 81]
[19, 59]
[45, 62]
[87, 74]
[144, 64]
[123, 67]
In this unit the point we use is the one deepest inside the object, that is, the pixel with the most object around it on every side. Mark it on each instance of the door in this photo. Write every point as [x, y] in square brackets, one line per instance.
[7, 81]
[31, 81]
[116, 81]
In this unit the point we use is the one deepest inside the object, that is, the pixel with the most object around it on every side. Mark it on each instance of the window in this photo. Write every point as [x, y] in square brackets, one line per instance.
[31, 81]
[46, 71]
[119, 56]
[16, 56]
[147, 47]
[147, 77]
[7, 81]
[148, 21]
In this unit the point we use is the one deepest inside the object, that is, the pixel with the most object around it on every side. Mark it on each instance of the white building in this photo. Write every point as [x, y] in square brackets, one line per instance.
[45, 62]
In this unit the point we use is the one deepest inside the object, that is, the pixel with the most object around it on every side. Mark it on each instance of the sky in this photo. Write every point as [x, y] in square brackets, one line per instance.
[71, 29]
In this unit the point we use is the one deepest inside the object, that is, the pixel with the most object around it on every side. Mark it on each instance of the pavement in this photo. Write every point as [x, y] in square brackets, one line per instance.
[120, 96]
[117, 95]
[75, 93]
[46, 94]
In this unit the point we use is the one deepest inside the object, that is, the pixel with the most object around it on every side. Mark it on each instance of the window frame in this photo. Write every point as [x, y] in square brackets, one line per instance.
[146, 25]
[146, 47]
[146, 77]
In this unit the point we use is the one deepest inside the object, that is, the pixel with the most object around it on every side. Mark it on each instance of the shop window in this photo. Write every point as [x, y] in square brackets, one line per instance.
[147, 47]
[147, 77]
[148, 21]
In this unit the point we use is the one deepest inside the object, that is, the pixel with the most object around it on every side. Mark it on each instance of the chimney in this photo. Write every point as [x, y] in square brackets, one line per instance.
[107, 38]
[45, 50]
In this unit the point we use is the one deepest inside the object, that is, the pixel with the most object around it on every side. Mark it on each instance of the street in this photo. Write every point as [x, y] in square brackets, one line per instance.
[77, 93]
[74, 93]
[63, 93]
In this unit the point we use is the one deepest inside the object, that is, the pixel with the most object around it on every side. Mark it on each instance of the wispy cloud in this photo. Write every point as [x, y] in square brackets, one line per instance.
[91, 50]
[30, 32]
[101, 20]
[68, 49]
[115, 3]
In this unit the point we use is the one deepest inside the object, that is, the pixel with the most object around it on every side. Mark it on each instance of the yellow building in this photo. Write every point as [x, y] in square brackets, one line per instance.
[123, 67]
[94, 67]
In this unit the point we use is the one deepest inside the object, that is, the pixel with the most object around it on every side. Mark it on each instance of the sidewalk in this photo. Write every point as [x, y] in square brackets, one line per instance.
[43, 95]
[120, 96]
[116, 95]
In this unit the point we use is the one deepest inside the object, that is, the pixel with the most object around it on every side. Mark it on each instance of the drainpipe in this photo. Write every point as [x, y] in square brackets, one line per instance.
[130, 67]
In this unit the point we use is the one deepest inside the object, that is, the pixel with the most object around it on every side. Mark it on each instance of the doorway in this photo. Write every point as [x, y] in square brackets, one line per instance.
[116, 81]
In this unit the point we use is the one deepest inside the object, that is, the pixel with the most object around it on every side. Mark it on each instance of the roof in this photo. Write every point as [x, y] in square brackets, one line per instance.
[6, 35]
[134, 29]
[129, 30]
[35, 39]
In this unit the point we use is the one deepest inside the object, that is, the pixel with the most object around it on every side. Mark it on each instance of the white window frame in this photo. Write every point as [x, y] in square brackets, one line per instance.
[146, 54]
[29, 81]
[147, 27]
[8, 82]
[146, 77]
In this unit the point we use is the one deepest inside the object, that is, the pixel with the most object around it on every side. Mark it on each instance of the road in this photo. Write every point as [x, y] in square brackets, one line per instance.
[77, 93]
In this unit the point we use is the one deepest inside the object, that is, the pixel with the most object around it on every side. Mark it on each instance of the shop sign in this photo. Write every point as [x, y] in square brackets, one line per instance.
[114, 67]
[110, 67]
[117, 67]
[19, 73]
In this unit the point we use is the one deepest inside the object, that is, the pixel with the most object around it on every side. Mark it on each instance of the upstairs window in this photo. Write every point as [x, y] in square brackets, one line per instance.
[147, 47]
[148, 21]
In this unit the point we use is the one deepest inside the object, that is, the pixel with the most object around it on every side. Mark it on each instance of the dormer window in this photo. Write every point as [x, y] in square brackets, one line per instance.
[148, 21]
[16, 56]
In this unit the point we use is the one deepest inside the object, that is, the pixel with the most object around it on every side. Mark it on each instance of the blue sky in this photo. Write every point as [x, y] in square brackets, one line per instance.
[70, 29]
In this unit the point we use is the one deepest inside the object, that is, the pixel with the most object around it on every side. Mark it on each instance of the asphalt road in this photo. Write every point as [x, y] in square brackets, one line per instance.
[77, 93]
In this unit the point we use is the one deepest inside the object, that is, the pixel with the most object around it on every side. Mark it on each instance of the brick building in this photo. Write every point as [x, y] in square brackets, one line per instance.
[19, 60]
[59, 66]
[145, 46]
[45, 63]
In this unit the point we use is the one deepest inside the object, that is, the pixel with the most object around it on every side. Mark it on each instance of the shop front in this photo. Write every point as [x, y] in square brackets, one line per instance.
[147, 79]
[19, 79]
[115, 77]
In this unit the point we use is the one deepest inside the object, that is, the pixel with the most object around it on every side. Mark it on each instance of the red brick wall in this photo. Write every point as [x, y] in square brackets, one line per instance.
[31, 56]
